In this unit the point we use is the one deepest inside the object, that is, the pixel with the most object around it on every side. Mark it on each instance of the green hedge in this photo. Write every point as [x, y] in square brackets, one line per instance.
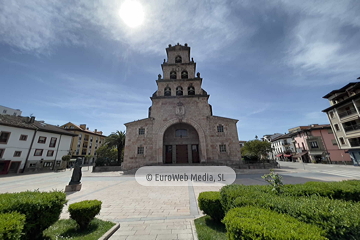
[263, 224]
[340, 219]
[230, 192]
[209, 203]
[11, 225]
[85, 211]
[42, 209]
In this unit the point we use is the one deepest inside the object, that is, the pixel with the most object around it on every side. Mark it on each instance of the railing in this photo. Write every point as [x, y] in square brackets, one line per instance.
[352, 128]
[347, 113]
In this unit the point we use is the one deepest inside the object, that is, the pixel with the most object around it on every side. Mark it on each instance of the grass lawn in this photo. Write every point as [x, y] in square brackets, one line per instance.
[67, 229]
[208, 229]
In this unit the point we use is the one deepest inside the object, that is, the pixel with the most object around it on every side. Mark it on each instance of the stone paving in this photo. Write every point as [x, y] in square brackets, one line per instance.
[143, 212]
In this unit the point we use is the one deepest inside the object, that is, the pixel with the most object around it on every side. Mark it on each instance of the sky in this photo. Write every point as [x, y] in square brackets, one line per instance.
[266, 63]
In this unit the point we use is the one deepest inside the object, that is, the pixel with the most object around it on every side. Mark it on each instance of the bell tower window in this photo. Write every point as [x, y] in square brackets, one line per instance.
[179, 91]
[172, 75]
[184, 75]
[167, 91]
[191, 90]
[178, 59]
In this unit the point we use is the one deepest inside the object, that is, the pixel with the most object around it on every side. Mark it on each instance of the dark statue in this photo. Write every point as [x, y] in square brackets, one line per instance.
[76, 175]
[159, 76]
[198, 75]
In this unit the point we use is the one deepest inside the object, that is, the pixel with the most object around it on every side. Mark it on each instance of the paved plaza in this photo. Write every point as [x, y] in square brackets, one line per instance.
[144, 212]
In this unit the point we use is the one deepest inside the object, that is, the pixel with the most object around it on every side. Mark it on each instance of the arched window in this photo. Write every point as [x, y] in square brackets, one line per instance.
[167, 91]
[184, 74]
[191, 90]
[178, 59]
[172, 75]
[179, 91]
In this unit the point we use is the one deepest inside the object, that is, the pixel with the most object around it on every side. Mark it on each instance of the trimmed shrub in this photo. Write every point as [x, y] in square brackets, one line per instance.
[11, 225]
[229, 193]
[42, 209]
[85, 211]
[209, 203]
[340, 219]
[345, 190]
[257, 223]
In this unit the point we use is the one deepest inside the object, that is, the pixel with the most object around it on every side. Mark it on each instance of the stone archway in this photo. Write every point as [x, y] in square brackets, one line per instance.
[181, 144]
[160, 138]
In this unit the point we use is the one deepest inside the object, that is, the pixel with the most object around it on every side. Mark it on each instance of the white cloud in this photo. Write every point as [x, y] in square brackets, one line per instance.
[38, 26]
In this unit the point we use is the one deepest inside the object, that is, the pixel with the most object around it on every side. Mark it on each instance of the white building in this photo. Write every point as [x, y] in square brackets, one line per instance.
[283, 147]
[29, 145]
[9, 111]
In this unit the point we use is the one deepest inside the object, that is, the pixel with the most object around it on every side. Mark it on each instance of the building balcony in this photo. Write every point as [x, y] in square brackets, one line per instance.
[86, 139]
[352, 128]
[354, 142]
[347, 113]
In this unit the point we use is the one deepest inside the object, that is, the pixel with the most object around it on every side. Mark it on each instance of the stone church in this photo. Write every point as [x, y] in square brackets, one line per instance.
[180, 127]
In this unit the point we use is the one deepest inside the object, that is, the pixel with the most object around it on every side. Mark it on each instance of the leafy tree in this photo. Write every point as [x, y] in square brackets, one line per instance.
[66, 158]
[256, 148]
[106, 152]
[116, 140]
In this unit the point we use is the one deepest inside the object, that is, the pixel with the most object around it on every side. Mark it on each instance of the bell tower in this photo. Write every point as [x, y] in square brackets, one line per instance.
[179, 78]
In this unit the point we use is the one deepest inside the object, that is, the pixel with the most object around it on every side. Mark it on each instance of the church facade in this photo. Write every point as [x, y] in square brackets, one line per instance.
[180, 128]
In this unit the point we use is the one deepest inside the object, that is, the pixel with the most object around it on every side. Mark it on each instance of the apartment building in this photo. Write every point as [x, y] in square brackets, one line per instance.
[27, 145]
[316, 143]
[85, 143]
[9, 111]
[344, 118]
[283, 147]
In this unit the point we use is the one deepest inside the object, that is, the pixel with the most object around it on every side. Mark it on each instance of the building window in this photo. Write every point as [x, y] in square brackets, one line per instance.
[342, 141]
[330, 131]
[42, 140]
[17, 153]
[220, 128]
[191, 90]
[4, 111]
[2, 152]
[14, 114]
[178, 59]
[184, 75]
[179, 91]
[53, 142]
[80, 136]
[50, 153]
[167, 91]
[58, 163]
[38, 152]
[314, 144]
[172, 75]
[97, 140]
[23, 137]
[334, 142]
[337, 127]
[47, 164]
[32, 165]
[4, 137]
[141, 131]
[140, 150]
[332, 114]
[181, 133]
[222, 148]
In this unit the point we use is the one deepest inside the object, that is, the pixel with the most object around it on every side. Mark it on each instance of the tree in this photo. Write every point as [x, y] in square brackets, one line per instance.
[256, 148]
[106, 156]
[116, 140]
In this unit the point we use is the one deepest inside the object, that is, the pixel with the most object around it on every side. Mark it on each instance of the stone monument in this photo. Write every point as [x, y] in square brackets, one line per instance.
[75, 184]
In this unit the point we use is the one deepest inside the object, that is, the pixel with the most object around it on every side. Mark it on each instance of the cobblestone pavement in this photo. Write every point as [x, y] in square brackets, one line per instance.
[143, 212]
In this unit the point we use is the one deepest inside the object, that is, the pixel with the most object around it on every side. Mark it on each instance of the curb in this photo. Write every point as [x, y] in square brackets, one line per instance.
[109, 233]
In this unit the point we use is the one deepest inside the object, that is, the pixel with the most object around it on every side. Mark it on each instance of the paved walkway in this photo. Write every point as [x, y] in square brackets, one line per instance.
[143, 212]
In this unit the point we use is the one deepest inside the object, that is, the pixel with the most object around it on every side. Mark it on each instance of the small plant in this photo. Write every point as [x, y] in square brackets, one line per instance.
[84, 212]
[274, 180]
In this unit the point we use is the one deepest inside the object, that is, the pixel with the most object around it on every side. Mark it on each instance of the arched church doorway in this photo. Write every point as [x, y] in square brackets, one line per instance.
[181, 144]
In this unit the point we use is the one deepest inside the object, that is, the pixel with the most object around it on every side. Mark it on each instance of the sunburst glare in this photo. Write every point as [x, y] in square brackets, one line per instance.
[132, 13]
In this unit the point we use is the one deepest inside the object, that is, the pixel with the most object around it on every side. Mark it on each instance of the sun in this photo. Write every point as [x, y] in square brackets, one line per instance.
[132, 13]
